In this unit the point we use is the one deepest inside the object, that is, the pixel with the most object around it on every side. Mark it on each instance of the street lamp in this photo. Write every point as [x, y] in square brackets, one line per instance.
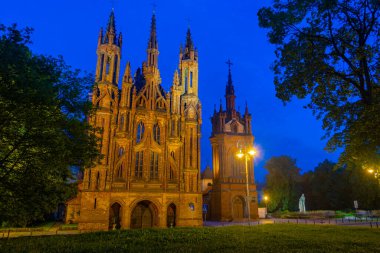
[375, 172]
[246, 153]
[266, 205]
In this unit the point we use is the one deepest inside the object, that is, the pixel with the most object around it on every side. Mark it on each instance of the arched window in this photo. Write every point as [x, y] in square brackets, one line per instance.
[156, 133]
[139, 164]
[108, 65]
[120, 171]
[154, 166]
[172, 154]
[140, 132]
[97, 180]
[113, 95]
[171, 173]
[121, 126]
[121, 151]
[191, 79]
[97, 92]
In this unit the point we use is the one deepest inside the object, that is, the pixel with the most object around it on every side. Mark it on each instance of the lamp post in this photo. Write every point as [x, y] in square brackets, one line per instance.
[266, 205]
[246, 153]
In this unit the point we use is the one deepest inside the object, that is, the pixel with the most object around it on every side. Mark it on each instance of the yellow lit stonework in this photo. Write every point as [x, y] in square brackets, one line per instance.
[149, 173]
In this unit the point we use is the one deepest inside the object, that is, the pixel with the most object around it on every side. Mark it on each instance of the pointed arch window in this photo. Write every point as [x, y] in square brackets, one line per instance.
[120, 171]
[154, 165]
[121, 151]
[171, 173]
[191, 79]
[97, 180]
[108, 65]
[156, 133]
[97, 92]
[140, 132]
[121, 123]
[186, 77]
[139, 164]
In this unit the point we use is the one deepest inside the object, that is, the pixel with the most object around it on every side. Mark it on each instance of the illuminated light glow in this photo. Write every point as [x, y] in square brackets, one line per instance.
[370, 171]
[240, 155]
[265, 198]
[252, 152]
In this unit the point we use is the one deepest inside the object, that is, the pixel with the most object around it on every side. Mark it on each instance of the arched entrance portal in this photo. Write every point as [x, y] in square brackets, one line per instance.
[144, 215]
[238, 208]
[171, 216]
[115, 216]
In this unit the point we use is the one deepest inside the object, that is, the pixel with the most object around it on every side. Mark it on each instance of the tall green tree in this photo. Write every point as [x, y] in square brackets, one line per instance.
[328, 51]
[283, 183]
[43, 128]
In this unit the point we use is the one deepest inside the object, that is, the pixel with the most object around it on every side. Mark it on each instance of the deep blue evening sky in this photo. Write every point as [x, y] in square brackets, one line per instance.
[221, 29]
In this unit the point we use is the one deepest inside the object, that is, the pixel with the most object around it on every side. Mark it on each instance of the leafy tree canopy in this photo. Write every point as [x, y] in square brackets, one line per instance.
[282, 183]
[329, 52]
[43, 130]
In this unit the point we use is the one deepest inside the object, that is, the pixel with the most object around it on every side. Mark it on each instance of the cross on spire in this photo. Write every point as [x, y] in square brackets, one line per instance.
[154, 6]
[229, 63]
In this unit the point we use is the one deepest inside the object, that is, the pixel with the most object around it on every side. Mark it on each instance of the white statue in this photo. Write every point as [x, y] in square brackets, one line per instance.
[301, 204]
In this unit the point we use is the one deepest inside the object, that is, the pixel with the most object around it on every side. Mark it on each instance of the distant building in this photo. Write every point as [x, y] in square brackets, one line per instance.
[226, 199]
[149, 175]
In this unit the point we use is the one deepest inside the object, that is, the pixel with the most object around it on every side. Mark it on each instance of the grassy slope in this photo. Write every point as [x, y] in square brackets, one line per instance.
[264, 238]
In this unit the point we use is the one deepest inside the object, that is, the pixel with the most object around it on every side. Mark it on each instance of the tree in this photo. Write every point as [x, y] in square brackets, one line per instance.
[43, 129]
[328, 51]
[282, 183]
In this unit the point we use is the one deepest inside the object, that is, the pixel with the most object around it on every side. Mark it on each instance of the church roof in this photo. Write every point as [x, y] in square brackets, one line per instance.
[207, 173]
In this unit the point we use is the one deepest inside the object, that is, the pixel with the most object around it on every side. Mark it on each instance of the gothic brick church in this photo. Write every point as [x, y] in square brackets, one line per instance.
[149, 173]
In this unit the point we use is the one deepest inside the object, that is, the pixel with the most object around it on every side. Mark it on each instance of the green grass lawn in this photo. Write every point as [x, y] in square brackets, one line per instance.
[263, 238]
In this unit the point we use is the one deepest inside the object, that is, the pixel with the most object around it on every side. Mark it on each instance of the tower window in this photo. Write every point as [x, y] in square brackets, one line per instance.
[97, 92]
[121, 123]
[121, 151]
[191, 147]
[171, 173]
[191, 79]
[108, 65]
[120, 171]
[156, 133]
[154, 166]
[139, 164]
[95, 203]
[186, 77]
[101, 67]
[115, 69]
[140, 132]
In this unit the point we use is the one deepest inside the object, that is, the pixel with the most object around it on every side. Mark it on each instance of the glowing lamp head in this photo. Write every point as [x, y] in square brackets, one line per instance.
[240, 154]
[252, 152]
[265, 198]
[370, 171]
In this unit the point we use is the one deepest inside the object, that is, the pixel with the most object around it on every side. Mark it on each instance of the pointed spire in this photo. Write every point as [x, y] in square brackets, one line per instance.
[246, 108]
[153, 34]
[111, 22]
[221, 106]
[189, 41]
[127, 74]
[189, 52]
[230, 87]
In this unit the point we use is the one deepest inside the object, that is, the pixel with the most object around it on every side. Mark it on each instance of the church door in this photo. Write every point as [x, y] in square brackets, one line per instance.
[115, 216]
[238, 208]
[171, 213]
[143, 215]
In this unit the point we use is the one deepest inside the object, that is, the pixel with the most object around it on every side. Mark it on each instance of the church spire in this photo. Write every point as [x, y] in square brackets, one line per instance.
[189, 52]
[111, 23]
[152, 50]
[111, 30]
[230, 90]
